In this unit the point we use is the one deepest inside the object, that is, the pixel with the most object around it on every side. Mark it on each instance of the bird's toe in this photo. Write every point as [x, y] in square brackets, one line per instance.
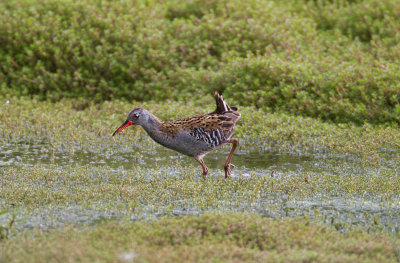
[228, 171]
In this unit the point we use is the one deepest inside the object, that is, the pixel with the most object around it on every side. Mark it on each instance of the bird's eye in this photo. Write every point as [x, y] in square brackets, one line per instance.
[136, 116]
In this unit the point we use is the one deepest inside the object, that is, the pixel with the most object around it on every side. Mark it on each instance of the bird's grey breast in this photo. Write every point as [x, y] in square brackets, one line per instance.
[188, 143]
[182, 142]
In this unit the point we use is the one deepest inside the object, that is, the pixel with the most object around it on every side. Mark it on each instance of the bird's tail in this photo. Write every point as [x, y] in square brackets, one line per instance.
[222, 106]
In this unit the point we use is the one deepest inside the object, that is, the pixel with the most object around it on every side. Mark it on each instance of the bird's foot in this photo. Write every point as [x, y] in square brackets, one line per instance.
[227, 168]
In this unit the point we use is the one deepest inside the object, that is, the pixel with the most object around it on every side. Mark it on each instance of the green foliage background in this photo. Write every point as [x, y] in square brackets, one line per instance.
[335, 60]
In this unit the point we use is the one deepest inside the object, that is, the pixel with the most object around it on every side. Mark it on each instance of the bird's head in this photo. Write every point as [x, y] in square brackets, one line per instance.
[135, 117]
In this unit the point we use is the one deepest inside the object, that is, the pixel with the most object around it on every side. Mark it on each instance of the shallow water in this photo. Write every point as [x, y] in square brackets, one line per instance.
[22, 154]
[340, 212]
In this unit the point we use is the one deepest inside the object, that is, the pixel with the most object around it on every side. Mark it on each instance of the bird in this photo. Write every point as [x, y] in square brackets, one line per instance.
[193, 136]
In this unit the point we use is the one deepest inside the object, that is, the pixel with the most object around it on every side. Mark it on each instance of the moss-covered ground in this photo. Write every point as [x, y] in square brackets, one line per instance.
[209, 238]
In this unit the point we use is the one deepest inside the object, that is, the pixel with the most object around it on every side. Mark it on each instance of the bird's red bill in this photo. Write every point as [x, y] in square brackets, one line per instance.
[123, 126]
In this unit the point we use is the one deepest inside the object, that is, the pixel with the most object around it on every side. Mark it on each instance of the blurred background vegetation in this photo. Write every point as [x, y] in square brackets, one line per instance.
[334, 60]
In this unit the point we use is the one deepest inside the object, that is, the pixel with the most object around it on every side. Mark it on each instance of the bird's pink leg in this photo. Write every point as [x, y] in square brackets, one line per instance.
[203, 165]
[228, 164]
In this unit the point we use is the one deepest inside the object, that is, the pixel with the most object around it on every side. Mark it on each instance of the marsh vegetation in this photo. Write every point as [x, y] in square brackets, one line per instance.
[318, 167]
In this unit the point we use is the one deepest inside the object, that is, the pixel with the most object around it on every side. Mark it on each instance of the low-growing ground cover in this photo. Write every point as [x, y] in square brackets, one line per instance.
[211, 237]
[44, 195]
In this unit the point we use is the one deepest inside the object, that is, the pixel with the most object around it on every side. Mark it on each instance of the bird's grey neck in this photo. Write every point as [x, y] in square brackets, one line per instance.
[153, 127]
